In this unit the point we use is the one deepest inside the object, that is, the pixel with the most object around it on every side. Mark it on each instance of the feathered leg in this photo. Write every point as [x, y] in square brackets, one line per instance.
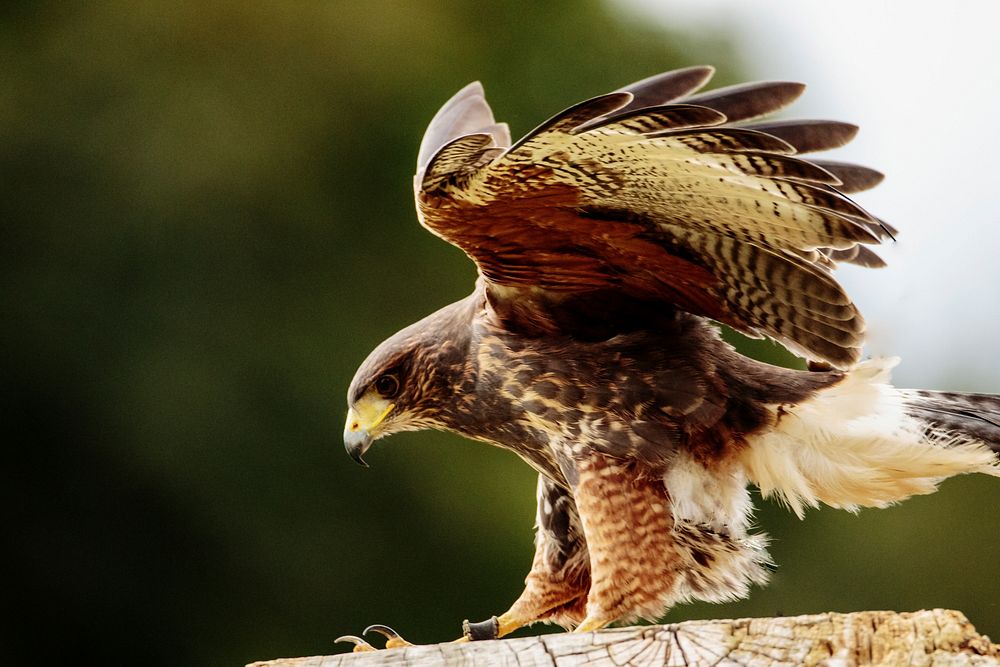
[626, 519]
[555, 589]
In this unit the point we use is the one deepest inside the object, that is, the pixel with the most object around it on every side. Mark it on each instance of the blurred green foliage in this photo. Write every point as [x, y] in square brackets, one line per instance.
[207, 223]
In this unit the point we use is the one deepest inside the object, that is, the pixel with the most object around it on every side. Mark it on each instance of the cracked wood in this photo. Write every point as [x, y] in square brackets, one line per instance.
[922, 638]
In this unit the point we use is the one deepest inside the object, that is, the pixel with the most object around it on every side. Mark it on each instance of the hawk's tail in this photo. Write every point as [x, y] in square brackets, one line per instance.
[972, 416]
[864, 443]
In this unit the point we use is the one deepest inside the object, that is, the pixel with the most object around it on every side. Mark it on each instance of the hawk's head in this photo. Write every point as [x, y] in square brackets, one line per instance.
[384, 395]
[409, 380]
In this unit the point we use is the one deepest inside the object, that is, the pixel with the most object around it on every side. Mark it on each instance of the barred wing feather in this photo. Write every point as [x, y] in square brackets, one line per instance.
[656, 194]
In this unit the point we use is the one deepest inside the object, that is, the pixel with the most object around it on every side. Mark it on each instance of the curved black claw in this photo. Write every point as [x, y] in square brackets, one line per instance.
[360, 645]
[393, 640]
[488, 629]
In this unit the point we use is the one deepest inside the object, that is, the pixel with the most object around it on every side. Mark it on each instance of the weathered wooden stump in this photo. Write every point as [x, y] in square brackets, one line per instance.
[935, 637]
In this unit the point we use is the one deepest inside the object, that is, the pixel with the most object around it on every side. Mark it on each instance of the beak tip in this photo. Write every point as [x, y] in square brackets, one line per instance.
[356, 449]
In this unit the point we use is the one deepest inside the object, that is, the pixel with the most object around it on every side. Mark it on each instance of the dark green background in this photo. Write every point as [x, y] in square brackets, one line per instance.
[206, 225]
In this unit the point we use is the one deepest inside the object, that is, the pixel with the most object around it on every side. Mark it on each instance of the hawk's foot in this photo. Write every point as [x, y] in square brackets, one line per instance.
[392, 639]
[487, 629]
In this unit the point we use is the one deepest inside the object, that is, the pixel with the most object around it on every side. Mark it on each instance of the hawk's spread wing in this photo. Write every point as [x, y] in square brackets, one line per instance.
[639, 194]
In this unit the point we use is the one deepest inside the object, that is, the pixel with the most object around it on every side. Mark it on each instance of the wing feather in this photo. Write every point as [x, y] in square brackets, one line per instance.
[853, 178]
[578, 114]
[808, 136]
[749, 100]
[460, 156]
[467, 112]
[774, 166]
[648, 120]
[667, 86]
[724, 140]
[859, 255]
[661, 201]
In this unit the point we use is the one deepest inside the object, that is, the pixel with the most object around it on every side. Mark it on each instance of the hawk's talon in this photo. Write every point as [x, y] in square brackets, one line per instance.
[591, 624]
[360, 645]
[393, 640]
[483, 630]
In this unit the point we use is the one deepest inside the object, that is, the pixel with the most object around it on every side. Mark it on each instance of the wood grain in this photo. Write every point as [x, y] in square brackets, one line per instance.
[922, 638]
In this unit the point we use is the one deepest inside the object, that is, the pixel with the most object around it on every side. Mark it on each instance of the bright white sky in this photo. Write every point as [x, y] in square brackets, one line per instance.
[922, 80]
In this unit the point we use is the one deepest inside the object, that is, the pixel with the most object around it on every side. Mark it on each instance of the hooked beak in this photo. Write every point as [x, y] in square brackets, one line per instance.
[362, 425]
[356, 442]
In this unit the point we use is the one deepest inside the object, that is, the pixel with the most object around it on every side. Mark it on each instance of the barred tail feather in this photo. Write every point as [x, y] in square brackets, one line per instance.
[970, 415]
[864, 443]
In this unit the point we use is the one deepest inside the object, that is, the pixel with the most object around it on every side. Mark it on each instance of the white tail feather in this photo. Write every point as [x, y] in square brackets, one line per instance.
[853, 445]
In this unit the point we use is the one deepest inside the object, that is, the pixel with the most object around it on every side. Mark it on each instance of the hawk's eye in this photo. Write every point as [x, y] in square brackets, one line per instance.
[387, 385]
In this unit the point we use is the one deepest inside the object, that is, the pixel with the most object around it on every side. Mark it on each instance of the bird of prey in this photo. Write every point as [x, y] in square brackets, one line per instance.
[610, 241]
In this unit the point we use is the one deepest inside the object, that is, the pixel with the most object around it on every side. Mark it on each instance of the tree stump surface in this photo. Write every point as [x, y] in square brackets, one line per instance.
[934, 637]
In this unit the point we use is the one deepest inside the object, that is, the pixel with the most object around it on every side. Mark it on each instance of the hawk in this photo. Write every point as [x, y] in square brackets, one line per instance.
[610, 241]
